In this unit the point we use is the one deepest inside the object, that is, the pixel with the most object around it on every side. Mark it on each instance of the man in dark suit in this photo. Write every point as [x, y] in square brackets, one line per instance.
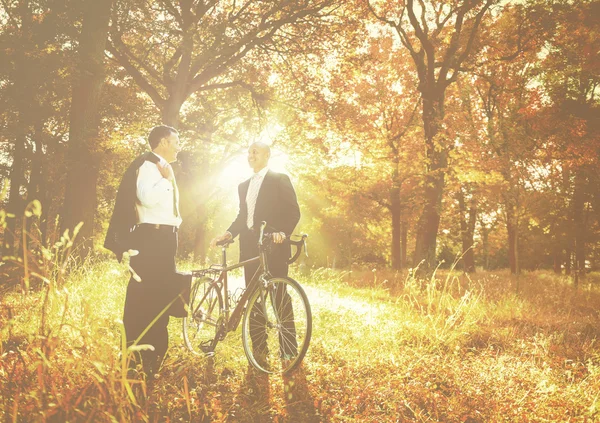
[267, 196]
[145, 220]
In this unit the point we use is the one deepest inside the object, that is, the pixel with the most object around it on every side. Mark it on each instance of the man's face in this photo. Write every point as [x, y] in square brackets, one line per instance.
[258, 157]
[172, 147]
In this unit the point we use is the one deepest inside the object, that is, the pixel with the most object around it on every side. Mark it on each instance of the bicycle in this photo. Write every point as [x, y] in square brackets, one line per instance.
[277, 320]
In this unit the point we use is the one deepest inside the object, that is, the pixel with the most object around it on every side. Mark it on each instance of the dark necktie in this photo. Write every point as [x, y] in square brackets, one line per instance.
[175, 198]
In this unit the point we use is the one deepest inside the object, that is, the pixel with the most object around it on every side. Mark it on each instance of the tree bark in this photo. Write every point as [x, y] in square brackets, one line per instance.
[404, 253]
[16, 203]
[83, 156]
[579, 221]
[429, 221]
[36, 189]
[170, 112]
[396, 228]
[511, 229]
[467, 230]
[396, 214]
[437, 62]
[485, 247]
[557, 260]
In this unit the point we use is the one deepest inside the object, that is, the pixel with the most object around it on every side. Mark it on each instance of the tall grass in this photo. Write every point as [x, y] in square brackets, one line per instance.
[461, 348]
[385, 347]
[61, 355]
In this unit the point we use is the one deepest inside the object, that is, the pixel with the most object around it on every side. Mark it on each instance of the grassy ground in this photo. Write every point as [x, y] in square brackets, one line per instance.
[384, 348]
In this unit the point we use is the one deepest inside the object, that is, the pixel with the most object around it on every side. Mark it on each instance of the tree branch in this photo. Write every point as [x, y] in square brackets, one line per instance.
[441, 25]
[116, 39]
[448, 60]
[423, 17]
[10, 16]
[408, 124]
[406, 41]
[223, 85]
[202, 8]
[427, 71]
[172, 10]
[239, 50]
[474, 30]
[381, 18]
[137, 76]
[169, 65]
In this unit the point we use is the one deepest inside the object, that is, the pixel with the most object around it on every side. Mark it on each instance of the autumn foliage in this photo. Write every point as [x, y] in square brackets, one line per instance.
[445, 156]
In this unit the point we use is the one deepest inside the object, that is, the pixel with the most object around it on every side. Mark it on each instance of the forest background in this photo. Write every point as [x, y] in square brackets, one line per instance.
[415, 133]
[419, 135]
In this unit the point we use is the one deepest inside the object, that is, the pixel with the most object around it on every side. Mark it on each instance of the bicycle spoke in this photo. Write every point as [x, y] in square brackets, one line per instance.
[201, 325]
[279, 325]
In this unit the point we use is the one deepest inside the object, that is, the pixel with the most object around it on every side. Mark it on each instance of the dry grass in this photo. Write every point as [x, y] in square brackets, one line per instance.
[385, 348]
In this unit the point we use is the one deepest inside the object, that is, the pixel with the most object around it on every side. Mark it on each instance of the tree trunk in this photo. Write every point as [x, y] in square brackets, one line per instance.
[485, 247]
[579, 221]
[170, 112]
[16, 203]
[594, 185]
[429, 221]
[517, 245]
[83, 155]
[568, 254]
[558, 257]
[36, 180]
[403, 254]
[396, 227]
[467, 230]
[511, 228]
[36, 183]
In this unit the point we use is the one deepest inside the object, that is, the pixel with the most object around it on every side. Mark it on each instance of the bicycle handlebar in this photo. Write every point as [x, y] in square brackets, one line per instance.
[301, 243]
[298, 244]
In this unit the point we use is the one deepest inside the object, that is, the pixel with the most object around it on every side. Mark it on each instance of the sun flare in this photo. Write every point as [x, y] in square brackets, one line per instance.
[238, 170]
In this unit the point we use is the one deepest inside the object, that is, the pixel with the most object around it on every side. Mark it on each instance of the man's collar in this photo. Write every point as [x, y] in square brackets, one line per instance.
[161, 158]
[262, 172]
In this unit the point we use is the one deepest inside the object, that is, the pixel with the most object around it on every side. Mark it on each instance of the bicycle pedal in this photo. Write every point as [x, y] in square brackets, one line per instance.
[207, 348]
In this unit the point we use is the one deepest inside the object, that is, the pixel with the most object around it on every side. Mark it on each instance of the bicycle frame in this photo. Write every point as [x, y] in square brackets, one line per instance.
[265, 301]
[232, 321]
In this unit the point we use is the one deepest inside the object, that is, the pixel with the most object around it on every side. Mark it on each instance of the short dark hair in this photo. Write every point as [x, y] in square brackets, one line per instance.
[158, 133]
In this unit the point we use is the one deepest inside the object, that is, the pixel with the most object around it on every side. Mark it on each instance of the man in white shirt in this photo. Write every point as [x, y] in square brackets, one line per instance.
[155, 237]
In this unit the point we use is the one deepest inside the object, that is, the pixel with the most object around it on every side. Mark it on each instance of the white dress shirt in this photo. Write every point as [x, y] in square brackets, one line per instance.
[255, 183]
[155, 196]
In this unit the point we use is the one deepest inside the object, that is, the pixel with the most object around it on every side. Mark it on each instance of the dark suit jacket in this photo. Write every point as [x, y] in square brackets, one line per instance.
[124, 217]
[276, 204]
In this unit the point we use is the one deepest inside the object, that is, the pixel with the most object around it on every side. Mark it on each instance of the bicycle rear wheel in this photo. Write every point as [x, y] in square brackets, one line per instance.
[202, 322]
[277, 326]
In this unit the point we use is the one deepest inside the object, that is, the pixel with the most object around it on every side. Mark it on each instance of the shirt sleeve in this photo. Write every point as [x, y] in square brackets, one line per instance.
[151, 186]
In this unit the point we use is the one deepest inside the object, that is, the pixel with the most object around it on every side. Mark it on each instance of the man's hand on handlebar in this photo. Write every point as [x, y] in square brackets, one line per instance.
[278, 237]
[225, 237]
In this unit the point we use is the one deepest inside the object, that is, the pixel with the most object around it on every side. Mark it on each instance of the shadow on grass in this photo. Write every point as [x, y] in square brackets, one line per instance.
[299, 403]
[252, 402]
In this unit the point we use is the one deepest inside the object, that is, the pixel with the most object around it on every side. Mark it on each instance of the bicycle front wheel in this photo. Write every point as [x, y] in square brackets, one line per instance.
[202, 322]
[277, 326]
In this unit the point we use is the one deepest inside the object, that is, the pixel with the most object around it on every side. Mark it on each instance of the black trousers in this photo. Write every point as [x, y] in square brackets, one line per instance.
[146, 300]
[277, 261]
